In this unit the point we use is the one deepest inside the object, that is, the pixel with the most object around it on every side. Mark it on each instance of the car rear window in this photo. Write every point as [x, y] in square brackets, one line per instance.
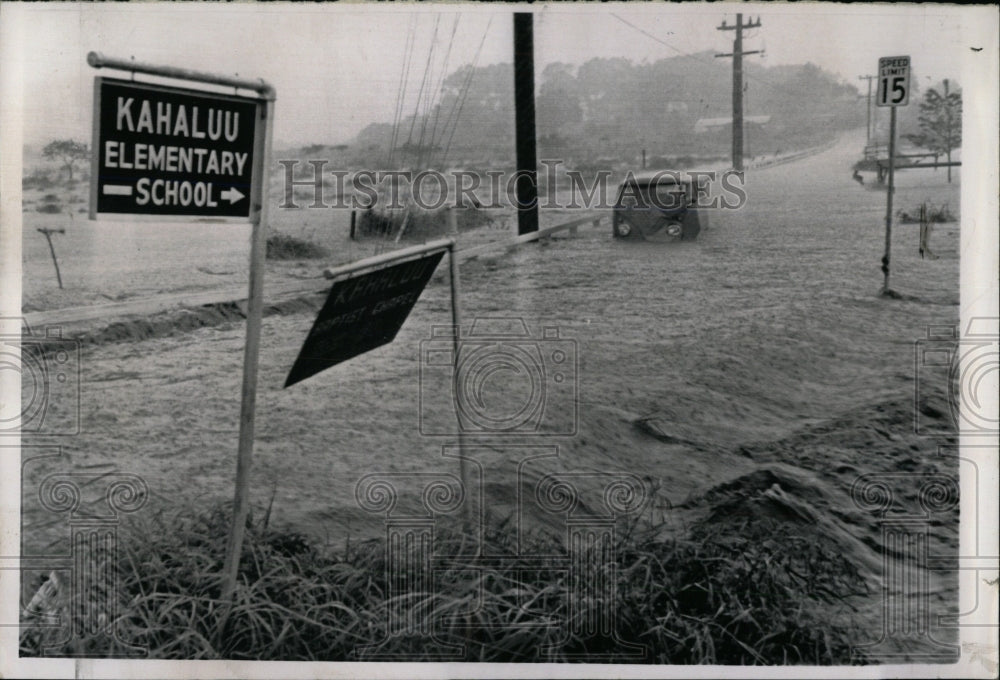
[667, 194]
[670, 194]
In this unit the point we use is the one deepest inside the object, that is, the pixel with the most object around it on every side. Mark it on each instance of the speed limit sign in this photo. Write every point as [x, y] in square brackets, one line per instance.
[893, 81]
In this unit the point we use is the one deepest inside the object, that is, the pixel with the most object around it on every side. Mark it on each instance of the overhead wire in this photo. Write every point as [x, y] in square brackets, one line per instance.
[698, 59]
[460, 102]
[440, 88]
[424, 105]
[423, 85]
[404, 77]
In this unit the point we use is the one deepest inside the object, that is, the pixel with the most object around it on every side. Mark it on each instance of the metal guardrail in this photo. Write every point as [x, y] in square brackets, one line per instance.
[874, 151]
[545, 232]
[792, 156]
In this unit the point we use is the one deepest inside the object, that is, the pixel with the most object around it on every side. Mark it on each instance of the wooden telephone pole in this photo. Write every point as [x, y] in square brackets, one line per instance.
[737, 55]
[868, 127]
[526, 186]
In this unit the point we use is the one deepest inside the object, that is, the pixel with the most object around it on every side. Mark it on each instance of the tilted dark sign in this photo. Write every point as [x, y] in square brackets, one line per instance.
[161, 150]
[361, 314]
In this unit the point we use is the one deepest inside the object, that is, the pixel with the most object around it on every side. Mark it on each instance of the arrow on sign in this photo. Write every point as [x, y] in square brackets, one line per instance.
[231, 195]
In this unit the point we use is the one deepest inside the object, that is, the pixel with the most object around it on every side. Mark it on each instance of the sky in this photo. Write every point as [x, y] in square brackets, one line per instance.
[338, 68]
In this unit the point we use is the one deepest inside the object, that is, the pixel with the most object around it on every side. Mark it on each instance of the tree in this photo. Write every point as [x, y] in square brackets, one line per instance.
[69, 151]
[940, 122]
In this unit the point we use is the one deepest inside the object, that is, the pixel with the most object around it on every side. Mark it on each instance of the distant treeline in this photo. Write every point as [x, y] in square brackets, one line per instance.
[612, 109]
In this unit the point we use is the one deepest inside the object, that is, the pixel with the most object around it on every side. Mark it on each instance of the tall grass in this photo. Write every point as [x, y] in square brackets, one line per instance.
[748, 595]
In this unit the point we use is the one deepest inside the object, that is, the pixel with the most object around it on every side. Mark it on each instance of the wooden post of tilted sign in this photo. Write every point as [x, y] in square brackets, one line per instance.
[888, 199]
[255, 303]
[322, 349]
[456, 342]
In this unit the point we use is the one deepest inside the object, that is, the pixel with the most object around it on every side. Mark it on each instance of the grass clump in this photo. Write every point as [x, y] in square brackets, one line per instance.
[733, 597]
[285, 247]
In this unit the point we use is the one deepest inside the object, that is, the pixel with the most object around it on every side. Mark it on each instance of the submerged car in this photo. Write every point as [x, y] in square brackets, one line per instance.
[659, 206]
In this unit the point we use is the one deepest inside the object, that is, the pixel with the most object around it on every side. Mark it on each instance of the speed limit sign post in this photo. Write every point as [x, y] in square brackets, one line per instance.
[893, 91]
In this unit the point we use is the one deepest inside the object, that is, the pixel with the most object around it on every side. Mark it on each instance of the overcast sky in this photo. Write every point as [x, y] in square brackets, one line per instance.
[337, 67]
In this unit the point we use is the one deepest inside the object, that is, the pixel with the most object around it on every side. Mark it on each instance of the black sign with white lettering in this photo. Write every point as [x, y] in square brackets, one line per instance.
[169, 151]
[361, 314]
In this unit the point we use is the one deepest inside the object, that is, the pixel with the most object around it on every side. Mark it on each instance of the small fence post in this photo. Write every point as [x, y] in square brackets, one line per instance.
[48, 237]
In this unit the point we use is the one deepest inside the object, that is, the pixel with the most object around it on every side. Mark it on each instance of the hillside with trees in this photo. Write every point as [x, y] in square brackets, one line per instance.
[609, 110]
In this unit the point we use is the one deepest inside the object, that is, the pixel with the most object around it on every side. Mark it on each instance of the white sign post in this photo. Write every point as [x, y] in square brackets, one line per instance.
[216, 144]
[893, 91]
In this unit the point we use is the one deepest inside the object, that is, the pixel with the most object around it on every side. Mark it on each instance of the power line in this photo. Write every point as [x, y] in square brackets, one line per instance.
[460, 103]
[404, 77]
[420, 94]
[440, 89]
[665, 44]
[691, 55]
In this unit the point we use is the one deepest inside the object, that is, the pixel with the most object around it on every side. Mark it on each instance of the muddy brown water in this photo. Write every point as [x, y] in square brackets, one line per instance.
[759, 355]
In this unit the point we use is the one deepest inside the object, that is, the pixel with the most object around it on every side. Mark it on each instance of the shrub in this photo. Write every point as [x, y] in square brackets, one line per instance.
[285, 247]
[39, 179]
[935, 214]
[50, 205]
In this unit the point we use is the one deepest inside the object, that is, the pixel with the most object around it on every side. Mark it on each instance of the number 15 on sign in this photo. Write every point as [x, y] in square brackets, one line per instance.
[893, 81]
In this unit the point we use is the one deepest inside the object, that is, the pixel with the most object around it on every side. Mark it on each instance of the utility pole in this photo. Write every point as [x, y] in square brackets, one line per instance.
[888, 200]
[526, 186]
[868, 126]
[737, 55]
